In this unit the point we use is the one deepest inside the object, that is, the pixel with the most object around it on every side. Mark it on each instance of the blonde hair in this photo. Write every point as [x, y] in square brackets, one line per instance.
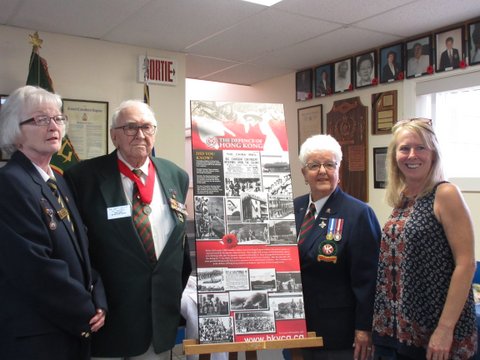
[395, 178]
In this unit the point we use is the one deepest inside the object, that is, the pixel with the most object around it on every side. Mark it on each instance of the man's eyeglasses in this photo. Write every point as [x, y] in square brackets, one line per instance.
[132, 129]
[328, 165]
[44, 120]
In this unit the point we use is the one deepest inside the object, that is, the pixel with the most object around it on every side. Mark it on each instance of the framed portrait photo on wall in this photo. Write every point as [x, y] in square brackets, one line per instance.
[366, 69]
[303, 85]
[419, 57]
[391, 63]
[379, 167]
[474, 43]
[343, 75]
[449, 49]
[323, 80]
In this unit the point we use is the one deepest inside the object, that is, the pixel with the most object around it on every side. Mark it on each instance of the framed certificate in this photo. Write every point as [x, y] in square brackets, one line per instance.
[87, 126]
[309, 123]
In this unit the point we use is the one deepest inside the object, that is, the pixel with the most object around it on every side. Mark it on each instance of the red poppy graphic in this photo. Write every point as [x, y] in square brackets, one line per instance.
[374, 81]
[430, 69]
[350, 87]
[462, 64]
[229, 241]
[400, 75]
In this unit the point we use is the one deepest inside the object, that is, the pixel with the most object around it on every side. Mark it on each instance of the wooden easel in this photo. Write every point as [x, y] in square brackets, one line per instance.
[191, 347]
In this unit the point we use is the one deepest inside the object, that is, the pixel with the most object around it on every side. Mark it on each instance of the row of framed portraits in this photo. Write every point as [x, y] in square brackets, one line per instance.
[417, 57]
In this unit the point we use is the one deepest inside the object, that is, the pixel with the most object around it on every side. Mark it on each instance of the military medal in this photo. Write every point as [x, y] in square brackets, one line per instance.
[52, 225]
[146, 209]
[338, 229]
[322, 224]
[330, 229]
[145, 191]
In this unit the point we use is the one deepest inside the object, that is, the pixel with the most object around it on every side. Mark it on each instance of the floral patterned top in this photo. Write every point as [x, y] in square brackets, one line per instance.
[414, 272]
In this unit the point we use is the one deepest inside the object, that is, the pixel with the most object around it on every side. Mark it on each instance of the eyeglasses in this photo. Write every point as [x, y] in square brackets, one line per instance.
[418, 119]
[328, 165]
[44, 120]
[132, 129]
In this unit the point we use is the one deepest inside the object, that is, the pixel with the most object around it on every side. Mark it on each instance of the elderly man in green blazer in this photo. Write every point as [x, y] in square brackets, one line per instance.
[133, 207]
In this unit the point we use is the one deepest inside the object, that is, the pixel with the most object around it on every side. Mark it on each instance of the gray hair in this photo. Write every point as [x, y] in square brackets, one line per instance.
[143, 107]
[20, 103]
[317, 143]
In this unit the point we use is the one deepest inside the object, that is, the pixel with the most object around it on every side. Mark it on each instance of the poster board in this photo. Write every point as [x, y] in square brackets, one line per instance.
[249, 284]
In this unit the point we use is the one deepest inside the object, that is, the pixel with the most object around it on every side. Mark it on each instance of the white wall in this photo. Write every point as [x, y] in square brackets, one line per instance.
[88, 69]
[282, 90]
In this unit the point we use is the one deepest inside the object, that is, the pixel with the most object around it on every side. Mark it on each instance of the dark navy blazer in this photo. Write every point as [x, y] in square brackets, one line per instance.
[339, 286]
[48, 292]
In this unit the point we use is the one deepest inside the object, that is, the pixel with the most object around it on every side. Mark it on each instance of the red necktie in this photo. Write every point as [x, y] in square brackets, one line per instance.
[307, 223]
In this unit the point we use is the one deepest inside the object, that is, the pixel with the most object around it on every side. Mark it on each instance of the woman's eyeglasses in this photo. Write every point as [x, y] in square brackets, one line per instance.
[44, 120]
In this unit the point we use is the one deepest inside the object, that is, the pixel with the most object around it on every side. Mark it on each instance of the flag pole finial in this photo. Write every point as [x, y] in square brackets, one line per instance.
[35, 41]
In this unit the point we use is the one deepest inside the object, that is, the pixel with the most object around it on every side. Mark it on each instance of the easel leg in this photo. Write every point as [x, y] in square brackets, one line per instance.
[232, 356]
[250, 355]
[296, 354]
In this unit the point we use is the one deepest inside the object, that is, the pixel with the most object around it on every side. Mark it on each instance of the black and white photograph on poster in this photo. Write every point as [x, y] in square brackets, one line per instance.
[282, 232]
[237, 186]
[262, 279]
[254, 322]
[289, 282]
[209, 217]
[250, 234]
[287, 307]
[241, 163]
[281, 207]
[213, 304]
[248, 300]
[215, 329]
[210, 279]
[236, 279]
[208, 172]
[275, 163]
[277, 184]
[233, 209]
[254, 207]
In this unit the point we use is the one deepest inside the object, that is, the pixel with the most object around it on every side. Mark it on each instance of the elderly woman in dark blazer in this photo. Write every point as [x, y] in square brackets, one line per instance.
[338, 246]
[51, 300]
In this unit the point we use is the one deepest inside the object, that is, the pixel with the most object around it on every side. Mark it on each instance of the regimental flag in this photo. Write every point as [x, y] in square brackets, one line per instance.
[38, 76]
[146, 94]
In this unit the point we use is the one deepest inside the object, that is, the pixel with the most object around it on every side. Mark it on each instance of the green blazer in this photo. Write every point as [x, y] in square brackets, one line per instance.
[144, 302]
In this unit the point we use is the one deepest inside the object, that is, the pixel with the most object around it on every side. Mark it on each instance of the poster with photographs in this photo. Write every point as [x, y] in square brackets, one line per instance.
[249, 284]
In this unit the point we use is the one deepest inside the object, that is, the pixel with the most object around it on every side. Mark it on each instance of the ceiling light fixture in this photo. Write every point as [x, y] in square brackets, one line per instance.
[264, 2]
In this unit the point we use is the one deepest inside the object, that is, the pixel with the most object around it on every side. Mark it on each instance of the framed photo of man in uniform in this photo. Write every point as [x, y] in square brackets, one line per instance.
[449, 49]
[419, 57]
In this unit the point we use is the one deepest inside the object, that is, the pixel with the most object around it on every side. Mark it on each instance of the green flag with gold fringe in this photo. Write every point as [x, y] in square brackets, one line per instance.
[38, 76]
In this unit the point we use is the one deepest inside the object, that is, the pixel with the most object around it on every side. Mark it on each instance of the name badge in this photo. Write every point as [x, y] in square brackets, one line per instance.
[119, 212]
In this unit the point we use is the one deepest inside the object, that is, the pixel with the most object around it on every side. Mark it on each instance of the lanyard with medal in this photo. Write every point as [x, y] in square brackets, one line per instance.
[145, 190]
